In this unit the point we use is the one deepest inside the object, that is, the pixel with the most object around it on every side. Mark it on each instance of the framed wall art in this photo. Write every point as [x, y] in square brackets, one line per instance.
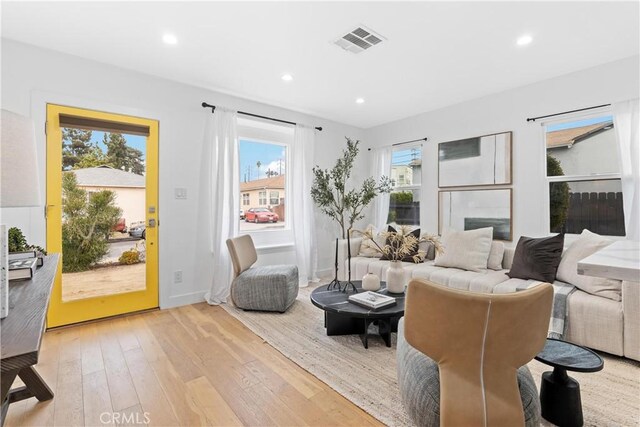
[472, 209]
[483, 160]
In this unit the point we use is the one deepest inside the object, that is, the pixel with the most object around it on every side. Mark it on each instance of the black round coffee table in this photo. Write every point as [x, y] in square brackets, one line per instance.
[342, 317]
[559, 393]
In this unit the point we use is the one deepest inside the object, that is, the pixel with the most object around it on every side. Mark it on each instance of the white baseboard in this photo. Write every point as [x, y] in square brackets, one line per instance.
[184, 299]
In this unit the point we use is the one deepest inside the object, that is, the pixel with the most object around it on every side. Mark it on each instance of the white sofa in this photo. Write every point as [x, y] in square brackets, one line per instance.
[593, 321]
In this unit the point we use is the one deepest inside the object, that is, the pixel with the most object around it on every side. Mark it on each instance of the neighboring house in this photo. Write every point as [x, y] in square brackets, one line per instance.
[128, 187]
[408, 174]
[591, 148]
[402, 175]
[262, 193]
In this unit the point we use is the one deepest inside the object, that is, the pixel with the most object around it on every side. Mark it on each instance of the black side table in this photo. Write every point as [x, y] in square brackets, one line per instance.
[559, 393]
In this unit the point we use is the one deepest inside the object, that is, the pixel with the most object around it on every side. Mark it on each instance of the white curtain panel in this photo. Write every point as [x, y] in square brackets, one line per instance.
[302, 209]
[219, 203]
[381, 166]
[626, 117]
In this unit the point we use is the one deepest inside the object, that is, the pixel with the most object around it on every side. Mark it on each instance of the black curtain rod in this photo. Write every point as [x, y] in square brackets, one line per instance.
[533, 119]
[213, 109]
[406, 142]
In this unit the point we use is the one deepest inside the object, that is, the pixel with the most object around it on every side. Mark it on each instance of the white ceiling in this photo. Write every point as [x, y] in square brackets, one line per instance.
[437, 53]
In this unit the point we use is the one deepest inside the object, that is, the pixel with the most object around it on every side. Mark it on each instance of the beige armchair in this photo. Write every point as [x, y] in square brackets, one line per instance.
[267, 288]
[480, 343]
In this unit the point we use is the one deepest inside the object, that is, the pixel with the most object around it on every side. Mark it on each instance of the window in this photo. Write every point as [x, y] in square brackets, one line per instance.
[264, 185]
[262, 198]
[406, 174]
[583, 171]
[274, 198]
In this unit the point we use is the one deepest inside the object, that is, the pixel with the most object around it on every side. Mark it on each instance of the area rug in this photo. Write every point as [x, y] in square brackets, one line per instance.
[367, 377]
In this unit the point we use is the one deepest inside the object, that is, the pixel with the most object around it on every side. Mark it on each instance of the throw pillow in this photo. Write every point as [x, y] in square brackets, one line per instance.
[468, 250]
[429, 250]
[587, 244]
[414, 249]
[367, 246]
[495, 256]
[537, 259]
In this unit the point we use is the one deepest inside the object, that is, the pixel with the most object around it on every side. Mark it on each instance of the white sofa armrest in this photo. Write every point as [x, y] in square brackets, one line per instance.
[343, 254]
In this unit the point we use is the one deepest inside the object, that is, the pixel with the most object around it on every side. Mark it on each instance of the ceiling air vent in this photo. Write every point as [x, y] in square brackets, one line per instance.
[359, 40]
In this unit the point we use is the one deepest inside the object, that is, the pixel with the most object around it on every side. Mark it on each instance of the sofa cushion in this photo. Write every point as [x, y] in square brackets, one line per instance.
[495, 255]
[595, 322]
[468, 250]
[537, 258]
[587, 244]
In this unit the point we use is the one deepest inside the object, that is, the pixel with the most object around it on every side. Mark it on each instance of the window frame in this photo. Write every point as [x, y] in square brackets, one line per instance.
[411, 187]
[600, 112]
[256, 130]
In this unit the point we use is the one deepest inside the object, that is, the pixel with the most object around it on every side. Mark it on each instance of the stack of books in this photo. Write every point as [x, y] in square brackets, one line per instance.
[22, 265]
[372, 300]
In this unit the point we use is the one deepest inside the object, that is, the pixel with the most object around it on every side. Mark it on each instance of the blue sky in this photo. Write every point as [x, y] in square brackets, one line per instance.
[134, 141]
[270, 156]
[579, 123]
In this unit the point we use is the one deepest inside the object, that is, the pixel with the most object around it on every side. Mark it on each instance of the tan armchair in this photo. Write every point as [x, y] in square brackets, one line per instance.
[267, 288]
[479, 343]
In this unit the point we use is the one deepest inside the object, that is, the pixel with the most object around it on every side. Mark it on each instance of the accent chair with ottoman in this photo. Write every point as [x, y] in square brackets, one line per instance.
[265, 288]
[462, 355]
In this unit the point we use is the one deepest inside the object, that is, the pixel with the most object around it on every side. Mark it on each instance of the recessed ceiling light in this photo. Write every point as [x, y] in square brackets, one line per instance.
[170, 39]
[287, 77]
[360, 101]
[524, 40]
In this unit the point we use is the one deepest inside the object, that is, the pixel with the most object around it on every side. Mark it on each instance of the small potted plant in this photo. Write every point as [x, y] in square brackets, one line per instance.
[18, 244]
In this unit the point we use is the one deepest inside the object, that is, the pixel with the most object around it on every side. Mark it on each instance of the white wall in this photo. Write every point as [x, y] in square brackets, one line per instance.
[508, 111]
[32, 77]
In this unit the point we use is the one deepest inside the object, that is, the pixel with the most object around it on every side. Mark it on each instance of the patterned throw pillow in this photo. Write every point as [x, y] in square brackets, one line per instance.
[414, 249]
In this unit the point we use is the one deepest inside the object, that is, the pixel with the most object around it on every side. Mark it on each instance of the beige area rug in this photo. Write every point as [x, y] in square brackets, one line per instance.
[610, 397]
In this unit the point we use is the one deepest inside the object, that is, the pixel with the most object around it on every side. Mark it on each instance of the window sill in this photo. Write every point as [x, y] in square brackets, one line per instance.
[274, 248]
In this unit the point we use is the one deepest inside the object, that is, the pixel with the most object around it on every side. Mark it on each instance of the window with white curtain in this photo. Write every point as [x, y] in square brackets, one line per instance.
[406, 174]
[263, 153]
[583, 174]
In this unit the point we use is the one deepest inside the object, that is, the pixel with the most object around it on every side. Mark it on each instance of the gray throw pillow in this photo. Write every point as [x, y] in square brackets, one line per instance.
[537, 259]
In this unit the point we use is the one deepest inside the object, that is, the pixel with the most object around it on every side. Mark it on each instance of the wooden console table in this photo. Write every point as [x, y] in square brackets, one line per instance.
[22, 331]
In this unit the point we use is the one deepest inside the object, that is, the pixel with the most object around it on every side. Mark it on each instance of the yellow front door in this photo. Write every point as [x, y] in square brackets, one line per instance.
[120, 284]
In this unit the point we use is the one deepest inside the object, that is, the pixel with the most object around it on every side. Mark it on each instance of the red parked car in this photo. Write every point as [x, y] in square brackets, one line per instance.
[120, 226]
[260, 215]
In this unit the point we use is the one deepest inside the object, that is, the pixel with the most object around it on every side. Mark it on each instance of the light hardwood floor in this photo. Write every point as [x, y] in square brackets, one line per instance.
[192, 365]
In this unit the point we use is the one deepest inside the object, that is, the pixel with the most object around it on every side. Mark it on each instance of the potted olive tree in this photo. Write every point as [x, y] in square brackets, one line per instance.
[331, 194]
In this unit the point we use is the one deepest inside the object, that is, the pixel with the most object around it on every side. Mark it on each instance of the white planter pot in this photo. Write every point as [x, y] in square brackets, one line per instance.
[395, 277]
[370, 282]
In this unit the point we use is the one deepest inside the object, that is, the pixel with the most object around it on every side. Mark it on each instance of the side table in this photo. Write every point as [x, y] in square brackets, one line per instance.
[559, 393]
